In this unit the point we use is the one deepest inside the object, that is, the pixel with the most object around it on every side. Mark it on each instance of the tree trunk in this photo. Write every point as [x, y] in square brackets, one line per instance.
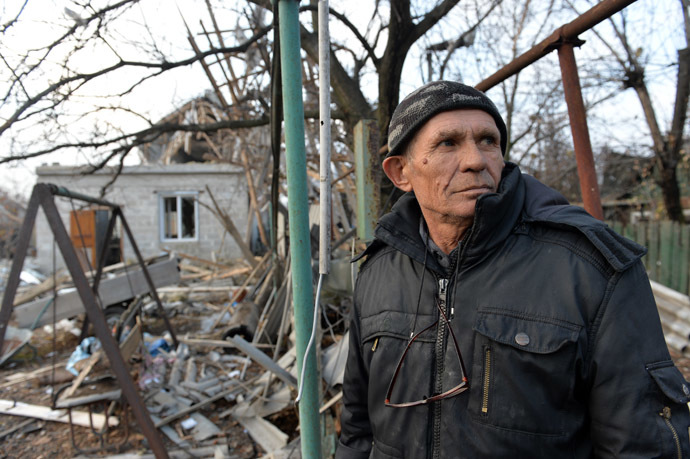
[671, 193]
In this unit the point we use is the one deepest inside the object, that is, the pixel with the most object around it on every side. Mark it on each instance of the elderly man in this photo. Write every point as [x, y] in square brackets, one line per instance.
[491, 318]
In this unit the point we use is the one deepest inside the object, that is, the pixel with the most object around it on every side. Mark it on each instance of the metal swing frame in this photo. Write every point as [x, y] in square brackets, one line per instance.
[43, 195]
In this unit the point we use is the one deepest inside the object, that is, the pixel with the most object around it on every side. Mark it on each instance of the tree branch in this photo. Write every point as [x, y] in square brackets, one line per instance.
[363, 41]
[85, 77]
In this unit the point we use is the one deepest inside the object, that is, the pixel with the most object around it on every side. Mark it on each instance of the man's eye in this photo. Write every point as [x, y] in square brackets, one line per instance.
[446, 143]
[489, 140]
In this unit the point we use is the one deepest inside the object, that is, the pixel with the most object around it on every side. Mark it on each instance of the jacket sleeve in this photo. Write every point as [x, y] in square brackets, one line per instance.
[356, 436]
[638, 398]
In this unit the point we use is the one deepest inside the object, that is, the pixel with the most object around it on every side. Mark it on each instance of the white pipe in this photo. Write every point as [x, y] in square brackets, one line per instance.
[325, 139]
[325, 171]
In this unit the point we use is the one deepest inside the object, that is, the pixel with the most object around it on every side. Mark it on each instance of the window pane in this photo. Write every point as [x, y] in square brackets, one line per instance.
[170, 218]
[188, 217]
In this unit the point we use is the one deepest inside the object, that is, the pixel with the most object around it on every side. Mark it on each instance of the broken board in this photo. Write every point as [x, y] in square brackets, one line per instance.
[110, 291]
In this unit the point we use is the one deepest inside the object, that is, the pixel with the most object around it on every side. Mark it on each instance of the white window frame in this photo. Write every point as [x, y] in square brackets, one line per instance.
[162, 217]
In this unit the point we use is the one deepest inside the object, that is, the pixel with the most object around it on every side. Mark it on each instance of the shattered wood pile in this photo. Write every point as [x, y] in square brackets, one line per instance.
[226, 390]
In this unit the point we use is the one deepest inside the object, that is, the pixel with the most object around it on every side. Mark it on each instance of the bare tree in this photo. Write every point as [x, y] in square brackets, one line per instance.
[633, 55]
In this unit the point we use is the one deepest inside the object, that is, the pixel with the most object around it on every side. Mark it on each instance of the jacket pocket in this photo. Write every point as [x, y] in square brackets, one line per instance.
[523, 371]
[676, 391]
[383, 451]
[384, 337]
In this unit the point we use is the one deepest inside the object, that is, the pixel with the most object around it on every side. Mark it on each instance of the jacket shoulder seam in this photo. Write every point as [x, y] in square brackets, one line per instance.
[371, 259]
[593, 334]
[604, 268]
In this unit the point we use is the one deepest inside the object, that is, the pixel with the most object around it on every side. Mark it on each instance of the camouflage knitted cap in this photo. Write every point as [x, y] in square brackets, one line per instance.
[430, 100]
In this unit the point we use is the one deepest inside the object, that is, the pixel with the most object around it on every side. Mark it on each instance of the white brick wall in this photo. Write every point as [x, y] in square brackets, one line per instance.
[137, 192]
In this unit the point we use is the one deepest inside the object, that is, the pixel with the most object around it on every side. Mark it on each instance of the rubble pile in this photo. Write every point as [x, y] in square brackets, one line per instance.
[220, 381]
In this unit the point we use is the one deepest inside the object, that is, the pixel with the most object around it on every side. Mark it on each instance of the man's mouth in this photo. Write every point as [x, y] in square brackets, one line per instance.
[478, 189]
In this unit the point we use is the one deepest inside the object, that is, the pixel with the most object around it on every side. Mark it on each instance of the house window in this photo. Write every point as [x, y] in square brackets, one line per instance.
[179, 216]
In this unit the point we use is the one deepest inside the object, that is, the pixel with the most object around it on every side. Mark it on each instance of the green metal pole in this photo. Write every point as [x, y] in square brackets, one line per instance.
[367, 167]
[300, 250]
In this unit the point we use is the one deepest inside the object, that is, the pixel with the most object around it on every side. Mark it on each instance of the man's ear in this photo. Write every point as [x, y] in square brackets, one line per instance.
[396, 168]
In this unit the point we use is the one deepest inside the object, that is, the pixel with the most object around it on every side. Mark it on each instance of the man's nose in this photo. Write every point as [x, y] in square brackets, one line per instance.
[471, 157]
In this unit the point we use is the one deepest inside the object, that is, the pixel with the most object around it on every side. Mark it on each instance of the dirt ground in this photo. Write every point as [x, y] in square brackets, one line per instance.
[44, 439]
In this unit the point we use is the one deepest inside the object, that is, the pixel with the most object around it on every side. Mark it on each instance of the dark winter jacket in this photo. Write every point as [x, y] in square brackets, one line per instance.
[556, 324]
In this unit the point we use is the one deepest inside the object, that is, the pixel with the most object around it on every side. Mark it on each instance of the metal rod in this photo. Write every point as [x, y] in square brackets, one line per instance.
[18, 260]
[324, 139]
[578, 126]
[62, 191]
[584, 22]
[104, 249]
[95, 315]
[367, 167]
[99, 269]
[298, 209]
[152, 288]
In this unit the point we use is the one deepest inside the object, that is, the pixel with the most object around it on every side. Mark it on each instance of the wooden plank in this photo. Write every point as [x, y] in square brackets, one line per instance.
[18, 378]
[331, 402]
[111, 291]
[629, 231]
[86, 399]
[653, 254]
[203, 261]
[684, 259]
[666, 253]
[268, 436]
[675, 256]
[39, 289]
[83, 373]
[641, 238]
[79, 418]
[258, 356]
[131, 342]
[190, 409]
[204, 427]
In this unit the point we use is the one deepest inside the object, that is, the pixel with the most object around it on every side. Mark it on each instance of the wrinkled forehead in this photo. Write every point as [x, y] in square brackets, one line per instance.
[455, 123]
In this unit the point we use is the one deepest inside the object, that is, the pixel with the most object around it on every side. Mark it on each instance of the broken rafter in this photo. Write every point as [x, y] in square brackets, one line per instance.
[241, 289]
[232, 229]
[79, 418]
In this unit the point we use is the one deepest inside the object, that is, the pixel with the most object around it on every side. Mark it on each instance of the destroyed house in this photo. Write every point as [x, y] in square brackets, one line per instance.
[168, 207]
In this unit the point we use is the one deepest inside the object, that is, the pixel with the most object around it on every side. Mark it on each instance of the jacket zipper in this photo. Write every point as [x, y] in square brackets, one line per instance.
[440, 356]
[487, 379]
[666, 414]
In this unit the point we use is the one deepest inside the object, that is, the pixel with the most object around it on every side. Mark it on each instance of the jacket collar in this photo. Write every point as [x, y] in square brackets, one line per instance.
[519, 198]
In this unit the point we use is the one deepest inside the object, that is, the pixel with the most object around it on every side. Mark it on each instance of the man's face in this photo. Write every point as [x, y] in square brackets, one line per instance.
[453, 159]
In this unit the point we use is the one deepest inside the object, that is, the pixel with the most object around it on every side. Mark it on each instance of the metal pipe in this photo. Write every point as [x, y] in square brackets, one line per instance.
[324, 139]
[62, 191]
[367, 169]
[149, 281]
[300, 250]
[578, 126]
[571, 30]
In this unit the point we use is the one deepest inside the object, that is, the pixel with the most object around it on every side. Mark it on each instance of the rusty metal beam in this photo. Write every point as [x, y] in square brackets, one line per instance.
[566, 32]
[18, 263]
[578, 126]
[95, 315]
[147, 276]
[43, 195]
[62, 191]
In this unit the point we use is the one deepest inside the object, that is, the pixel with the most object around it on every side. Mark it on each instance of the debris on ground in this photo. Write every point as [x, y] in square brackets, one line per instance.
[226, 389]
